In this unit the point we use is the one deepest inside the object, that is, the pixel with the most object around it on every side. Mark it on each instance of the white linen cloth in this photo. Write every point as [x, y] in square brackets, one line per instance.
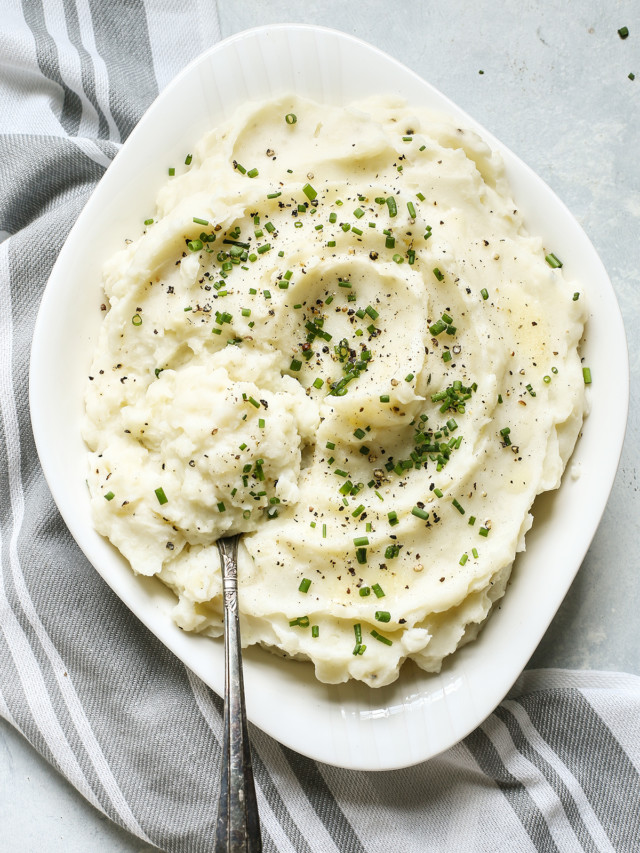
[555, 768]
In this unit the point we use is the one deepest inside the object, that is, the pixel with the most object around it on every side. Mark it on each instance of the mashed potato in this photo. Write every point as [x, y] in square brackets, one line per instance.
[336, 337]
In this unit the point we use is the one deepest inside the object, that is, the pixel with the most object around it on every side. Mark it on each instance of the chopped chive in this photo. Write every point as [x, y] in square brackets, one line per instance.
[172, 171]
[318, 383]
[393, 207]
[383, 616]
[200, 221]
[315, 631]
[393, 518]
[291, 118]
[411, 209]
[309, 191]
[136, 320]
[305, 583]
[420, 513]
[484, 293]
[474, 551]
[377, 590]
[252, 173]
[408, 377]
[384, 398]
[458, 506]
[398, 259]
[484, 531]
[162, 498]
[110, 496]
[419, 196]
[382, 639]
[360, 541]
[295, 364]
[358, 213]
[438, 493]
[446, 356]
[221, 507]
[274, 195]
[365, 591]
[623, 32]
[188, 159]
[438, 274]
[264, 248]
[148, 222]
[463, 559]
[553, 261]
[586, 373]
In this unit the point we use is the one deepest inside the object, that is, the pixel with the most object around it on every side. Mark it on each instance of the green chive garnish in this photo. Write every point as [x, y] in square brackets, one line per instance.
[305, 583]
[309, 191]
[382, 639]
[553, 261]
[291, 118]
[420, 513]
[162, 498]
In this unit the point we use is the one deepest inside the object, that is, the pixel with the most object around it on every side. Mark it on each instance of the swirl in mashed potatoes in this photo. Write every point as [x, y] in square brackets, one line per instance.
[336, 337]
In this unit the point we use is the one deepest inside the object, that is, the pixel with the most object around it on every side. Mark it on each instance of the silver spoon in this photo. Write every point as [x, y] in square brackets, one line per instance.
[238, 824]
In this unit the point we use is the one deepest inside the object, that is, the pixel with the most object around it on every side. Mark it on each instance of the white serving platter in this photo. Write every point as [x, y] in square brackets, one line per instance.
[350, 725]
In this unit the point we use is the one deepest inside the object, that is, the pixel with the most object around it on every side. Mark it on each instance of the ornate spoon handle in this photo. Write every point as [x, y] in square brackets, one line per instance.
[238, 824]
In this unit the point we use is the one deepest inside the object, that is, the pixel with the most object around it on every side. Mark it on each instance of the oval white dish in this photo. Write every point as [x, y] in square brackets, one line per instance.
[348, 725]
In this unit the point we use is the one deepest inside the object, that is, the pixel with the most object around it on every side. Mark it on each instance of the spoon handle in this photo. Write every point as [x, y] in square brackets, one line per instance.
[238, 824]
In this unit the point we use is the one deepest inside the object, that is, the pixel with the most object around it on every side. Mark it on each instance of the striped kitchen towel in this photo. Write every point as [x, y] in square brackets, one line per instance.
[555, 768]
